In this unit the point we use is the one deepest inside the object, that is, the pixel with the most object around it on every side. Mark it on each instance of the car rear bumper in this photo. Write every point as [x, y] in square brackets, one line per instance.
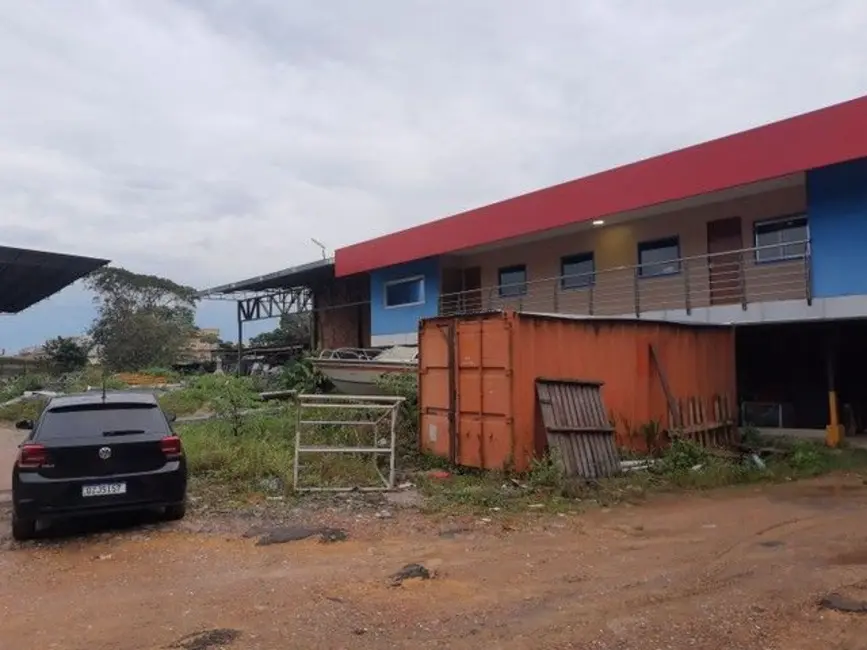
[37, 497]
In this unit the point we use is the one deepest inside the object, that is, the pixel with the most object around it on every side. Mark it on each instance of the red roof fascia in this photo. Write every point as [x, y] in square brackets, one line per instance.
[823, 137]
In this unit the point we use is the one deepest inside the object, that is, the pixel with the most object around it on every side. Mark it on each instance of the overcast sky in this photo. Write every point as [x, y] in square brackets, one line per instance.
[209, 140]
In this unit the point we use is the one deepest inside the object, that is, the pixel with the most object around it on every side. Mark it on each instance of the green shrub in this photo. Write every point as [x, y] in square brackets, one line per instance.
[405, 385]
[302, 376]
[23, 410]
[216, 452]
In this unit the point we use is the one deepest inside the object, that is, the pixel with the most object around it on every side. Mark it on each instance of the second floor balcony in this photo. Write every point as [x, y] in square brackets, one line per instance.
[743, 277]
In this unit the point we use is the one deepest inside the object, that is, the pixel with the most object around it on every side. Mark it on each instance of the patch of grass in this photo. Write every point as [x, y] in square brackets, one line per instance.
[24, 410]
[682, 466]
[264, 453]
[182, 402]
[255, 454]
[467, 491]
[217, 393]
[14, 386]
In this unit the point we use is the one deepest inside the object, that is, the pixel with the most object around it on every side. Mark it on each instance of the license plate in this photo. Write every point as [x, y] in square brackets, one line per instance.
[103, 489]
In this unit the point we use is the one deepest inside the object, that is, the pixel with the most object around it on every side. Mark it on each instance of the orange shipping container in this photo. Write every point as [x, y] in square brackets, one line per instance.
[477, 378]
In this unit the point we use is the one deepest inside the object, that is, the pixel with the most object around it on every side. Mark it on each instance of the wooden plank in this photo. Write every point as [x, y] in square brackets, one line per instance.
[613, 459]
[609, 451]
[580, 443]
[666, 388]
[593, 450]
[693, 415]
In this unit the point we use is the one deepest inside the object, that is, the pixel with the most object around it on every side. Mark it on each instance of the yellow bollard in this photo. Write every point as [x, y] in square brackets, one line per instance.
[834, 431]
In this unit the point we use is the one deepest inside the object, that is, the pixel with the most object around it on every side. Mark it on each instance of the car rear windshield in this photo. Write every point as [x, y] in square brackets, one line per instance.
[97, 419]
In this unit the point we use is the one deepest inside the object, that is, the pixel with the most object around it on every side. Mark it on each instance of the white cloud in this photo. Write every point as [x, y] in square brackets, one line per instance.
[209, 141]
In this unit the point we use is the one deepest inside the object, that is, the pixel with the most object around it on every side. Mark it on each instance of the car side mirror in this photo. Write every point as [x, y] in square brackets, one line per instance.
[24, 425]
[172, 417]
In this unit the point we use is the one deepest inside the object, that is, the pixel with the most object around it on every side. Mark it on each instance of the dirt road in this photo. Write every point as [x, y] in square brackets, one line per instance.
[738, 569]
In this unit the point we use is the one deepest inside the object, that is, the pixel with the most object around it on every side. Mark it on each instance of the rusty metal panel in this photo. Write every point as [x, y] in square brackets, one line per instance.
[484, 405]
[464, 390]
[577, 427]
[434, 395]
[698, 360]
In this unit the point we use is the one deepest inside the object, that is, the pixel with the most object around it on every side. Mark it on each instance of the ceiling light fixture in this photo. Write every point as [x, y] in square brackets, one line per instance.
[598, 222]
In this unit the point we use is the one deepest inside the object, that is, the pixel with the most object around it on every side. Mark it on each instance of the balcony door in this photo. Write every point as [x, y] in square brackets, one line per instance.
[725, 262]
[461, 290]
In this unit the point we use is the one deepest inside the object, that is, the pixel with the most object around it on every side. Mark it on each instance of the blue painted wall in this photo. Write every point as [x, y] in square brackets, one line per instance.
[401, 320]
[837, 211]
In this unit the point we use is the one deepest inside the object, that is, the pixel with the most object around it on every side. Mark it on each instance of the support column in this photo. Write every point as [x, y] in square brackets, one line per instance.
[240, 339]
[834, 431]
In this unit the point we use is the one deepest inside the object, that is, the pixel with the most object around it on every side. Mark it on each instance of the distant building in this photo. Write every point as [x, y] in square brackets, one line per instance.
[203, 345]
[33, 352]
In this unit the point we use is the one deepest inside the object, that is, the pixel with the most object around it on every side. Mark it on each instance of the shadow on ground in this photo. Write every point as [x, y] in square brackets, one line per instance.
[84, 527]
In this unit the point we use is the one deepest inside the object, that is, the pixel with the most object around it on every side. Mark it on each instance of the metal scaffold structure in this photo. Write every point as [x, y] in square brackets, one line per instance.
[289, 291]
[310, 288]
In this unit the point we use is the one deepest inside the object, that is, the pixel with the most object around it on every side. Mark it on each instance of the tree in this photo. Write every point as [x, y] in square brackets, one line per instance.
[65, 354]
[294, 329]
[144, 321]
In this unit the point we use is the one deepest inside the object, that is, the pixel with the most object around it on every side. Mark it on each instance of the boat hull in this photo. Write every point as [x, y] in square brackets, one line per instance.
[362, 377]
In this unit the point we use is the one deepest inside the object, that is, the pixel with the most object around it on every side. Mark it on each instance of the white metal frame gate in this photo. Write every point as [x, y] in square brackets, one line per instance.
[317, 414]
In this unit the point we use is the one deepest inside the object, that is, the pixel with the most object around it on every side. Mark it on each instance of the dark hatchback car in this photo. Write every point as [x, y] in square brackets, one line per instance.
[96, 453]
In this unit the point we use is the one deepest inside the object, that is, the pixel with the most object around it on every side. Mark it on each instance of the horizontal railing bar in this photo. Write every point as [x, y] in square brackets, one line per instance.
[365, 407]
[345, 450]
[384, 488]
[360, 398]
[802, 259]
[371, 423]
[725, 278]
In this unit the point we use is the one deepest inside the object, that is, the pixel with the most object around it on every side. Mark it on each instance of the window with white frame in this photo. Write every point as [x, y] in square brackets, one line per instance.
[513, 281]
[659, 257]
[405, 292]
[781, 239]
[577, 271]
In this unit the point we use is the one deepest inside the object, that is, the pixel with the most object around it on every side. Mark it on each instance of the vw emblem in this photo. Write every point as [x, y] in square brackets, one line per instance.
[105, 453]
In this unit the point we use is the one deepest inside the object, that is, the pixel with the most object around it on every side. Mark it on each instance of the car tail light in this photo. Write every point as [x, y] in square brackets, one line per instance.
[172, 448]
[32, 456]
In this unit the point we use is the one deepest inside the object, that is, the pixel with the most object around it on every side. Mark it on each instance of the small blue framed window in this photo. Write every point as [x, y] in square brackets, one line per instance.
[406, 292]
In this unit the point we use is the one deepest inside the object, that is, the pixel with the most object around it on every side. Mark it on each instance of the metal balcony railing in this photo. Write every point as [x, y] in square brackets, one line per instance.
[761, 274]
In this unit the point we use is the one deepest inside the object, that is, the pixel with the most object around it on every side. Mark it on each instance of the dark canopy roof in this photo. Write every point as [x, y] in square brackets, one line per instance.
[295, 276]
[27, 276]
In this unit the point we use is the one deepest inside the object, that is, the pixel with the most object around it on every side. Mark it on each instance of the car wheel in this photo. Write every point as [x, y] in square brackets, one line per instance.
[23, 529]
[175, 512]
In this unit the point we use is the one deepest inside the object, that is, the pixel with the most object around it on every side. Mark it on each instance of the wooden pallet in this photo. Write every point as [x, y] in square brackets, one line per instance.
[577, 427]
[709, 426]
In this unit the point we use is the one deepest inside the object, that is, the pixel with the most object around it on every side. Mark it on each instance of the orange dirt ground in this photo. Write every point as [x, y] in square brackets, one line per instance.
[734, 569]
